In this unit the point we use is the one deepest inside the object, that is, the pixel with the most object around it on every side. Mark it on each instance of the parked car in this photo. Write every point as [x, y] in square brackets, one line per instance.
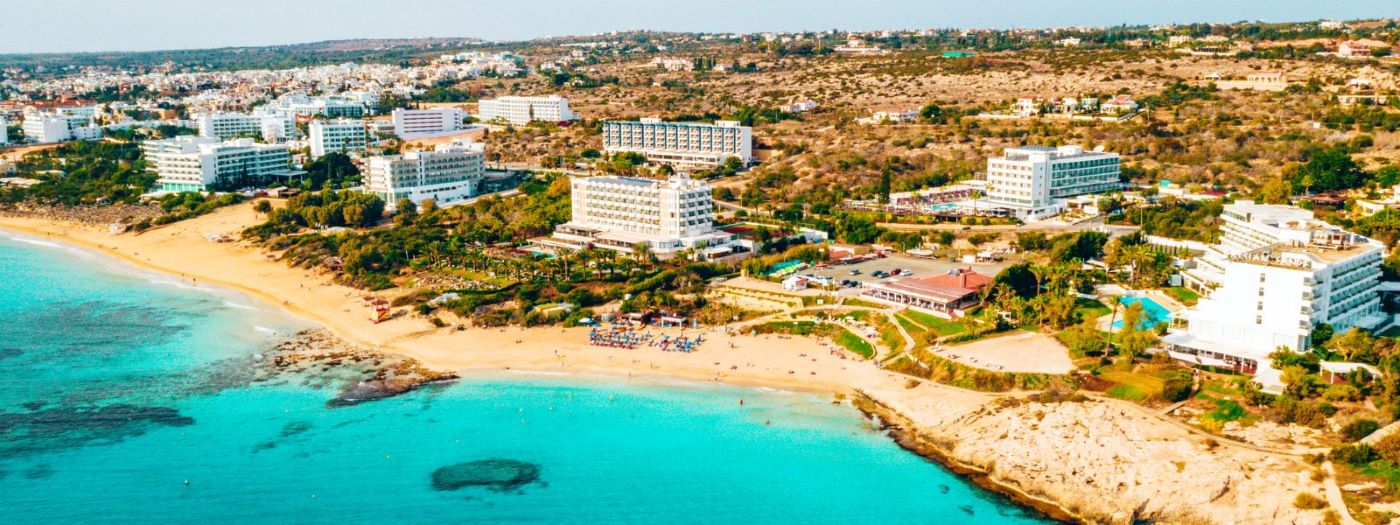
[855, 271]
[879, 274]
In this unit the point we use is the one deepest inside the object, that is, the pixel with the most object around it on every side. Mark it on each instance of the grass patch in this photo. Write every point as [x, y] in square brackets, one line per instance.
[836, 333]
[1142, 382]
[855, 344]
[862, 303]
[1226, 411]
[1128, 392]
[915, 330]
[1090, 308]
[1183, 294]
[939, 325]
[920, 363]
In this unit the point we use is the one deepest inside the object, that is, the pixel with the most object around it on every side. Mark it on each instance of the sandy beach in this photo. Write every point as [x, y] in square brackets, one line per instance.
[1102, 461]
[182, 250]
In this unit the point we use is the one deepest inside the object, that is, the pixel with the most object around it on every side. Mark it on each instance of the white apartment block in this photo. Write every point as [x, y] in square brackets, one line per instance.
[1033, 182]
[4, 131]
[426, 123]
[196, 163]
[271, 128]
[523, 110]
[1276, 274]
[349, 104]
[621, 213]
[338, 136]
[448, 175]
[683, 144]
[46, 128]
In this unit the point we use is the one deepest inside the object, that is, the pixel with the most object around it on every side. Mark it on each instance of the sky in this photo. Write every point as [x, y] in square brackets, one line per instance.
[44, 26]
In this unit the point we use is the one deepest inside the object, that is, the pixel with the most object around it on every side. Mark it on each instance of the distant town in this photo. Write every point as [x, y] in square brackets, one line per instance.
[1195, 221]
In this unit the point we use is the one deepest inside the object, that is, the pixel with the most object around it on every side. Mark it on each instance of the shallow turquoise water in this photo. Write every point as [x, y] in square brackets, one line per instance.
[120, 386]
[1153, 314]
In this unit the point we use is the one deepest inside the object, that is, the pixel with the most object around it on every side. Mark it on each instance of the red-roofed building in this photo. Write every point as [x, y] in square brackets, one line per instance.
[949, 295]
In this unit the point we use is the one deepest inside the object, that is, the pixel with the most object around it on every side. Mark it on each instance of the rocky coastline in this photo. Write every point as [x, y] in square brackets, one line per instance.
[1089, 461]
[362, 375]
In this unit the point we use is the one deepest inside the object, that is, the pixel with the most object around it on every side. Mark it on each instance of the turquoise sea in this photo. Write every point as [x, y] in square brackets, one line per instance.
[126, 398]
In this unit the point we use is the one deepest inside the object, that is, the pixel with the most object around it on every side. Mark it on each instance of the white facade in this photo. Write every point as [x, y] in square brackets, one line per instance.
[685, 144]
[4, 132]
[46, 128]
[195, 163]
[448, 175]
[1275, 276]
[225, 126]
[425, 123]
[1034, 182]
[523, 110]
[620, 213]
[343, 136]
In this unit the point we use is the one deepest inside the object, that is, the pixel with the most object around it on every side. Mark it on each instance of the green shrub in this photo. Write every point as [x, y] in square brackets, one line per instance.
[1176, 385]
[1360, 428]
[1307, 501]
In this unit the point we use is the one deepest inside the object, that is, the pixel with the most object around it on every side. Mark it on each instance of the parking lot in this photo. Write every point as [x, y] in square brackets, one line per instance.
[919, 266]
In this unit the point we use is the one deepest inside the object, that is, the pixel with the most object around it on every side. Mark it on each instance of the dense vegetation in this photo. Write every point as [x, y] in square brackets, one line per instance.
[83, 173]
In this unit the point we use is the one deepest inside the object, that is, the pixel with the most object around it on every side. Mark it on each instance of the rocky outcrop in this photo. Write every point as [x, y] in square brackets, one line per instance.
[1098, 461]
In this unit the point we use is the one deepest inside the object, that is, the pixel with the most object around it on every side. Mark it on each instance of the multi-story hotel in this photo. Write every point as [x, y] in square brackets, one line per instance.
[448, 175]
[53, 127]
[622, 213]
[426, 123]
[1275, 276]
[4, 132]
[272, 128]
[1033, 182]
[338, 136]
[523, 110]
[196, 163]
[683, 144]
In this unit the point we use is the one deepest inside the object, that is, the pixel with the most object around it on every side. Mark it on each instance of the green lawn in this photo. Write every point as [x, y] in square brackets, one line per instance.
[1128, 392]
[1090, 308]
[862, 303]
[838, 334]
[1183, 294]
[939, 325]
[855, 344]
[915, 330]
[1226, 411]
[1146, 383]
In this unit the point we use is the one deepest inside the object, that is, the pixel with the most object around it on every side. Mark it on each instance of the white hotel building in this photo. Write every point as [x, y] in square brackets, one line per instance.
[272, 128]
[448, 175]
[4, 132]
[683, 144]
[1275, 276]
[412, 124]
[63, 124]
[621, 213]
[195, 163]
[338, 136]
[1034, 182]
[520, 111]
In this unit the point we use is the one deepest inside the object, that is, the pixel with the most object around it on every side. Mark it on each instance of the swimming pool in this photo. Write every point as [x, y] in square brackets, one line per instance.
[942, 206]
[1153, 313]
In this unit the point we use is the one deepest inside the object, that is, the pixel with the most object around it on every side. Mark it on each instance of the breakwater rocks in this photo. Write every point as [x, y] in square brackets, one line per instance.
[363, 375]
[501, 475]
[1094, 461]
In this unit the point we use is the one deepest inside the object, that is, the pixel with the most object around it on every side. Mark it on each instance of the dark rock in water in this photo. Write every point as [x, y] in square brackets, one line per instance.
[40, 471]
[495, 474]
[295, 427]
[365, 391]
[7, 352]
[50, 429]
